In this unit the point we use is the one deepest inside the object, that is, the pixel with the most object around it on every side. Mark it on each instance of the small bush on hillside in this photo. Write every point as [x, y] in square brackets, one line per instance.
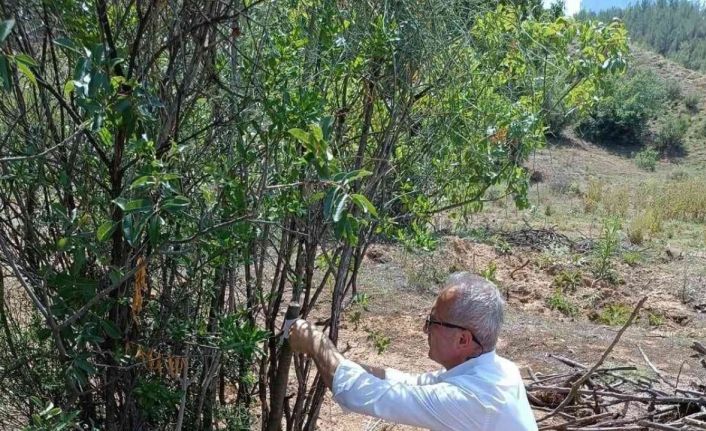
[670, 137]
[490, 272]
[655, 318]
[615, 314]
[678, 175]
[616, 201]
[622, 118]
[632, 258]
[379, 340]
[558, 301]
[636, 235]
[692, 102]
[606, 247]
[568, 280]
[593, 196]
[646, 223]
[646, 159]
[673, 90]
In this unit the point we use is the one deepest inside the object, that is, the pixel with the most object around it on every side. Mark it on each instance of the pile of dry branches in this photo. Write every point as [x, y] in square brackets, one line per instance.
[601, 398]
[536, 239]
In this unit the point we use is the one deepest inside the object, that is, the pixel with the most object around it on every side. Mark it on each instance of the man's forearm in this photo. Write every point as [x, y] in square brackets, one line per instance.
[309, 340]
[326, 357]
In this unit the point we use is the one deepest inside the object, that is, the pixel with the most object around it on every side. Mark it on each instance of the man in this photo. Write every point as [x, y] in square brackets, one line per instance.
[477, 391]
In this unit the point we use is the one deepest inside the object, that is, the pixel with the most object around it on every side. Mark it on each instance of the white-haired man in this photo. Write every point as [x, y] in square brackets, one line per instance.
[476, 391]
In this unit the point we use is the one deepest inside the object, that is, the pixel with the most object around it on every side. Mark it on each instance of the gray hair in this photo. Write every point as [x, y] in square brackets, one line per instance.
[478, 306]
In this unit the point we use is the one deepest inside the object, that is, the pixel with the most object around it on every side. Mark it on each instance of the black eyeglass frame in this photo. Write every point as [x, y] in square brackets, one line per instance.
[431, 321]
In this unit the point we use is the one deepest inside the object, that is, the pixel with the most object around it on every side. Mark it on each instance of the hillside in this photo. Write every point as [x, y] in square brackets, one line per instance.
[675, 29]
[669, 268]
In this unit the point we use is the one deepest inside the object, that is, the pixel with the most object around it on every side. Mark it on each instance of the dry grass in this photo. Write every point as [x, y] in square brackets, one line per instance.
[617, 202]
[647, 223]
[683, 200]
[593, 195]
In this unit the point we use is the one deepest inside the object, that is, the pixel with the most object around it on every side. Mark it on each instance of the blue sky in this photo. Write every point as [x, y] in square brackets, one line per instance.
[570, 6]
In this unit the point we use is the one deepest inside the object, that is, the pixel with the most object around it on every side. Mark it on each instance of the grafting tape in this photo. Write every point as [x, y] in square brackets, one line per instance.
[287, 326]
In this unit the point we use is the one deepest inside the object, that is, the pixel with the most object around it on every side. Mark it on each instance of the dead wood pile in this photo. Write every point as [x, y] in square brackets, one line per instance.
[600, 398]
[536, 239]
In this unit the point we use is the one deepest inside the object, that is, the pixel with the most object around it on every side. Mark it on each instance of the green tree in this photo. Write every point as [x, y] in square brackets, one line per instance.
[673, 28]
[173, 173]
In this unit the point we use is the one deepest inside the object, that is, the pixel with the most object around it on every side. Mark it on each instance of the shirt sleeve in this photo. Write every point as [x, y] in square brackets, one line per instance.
[397, 376]
[435, 406]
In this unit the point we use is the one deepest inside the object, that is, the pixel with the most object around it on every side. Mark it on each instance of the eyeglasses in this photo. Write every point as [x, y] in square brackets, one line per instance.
[431, 321]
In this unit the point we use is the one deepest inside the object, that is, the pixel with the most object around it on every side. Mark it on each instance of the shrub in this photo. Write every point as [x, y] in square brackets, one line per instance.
[568, 280]
[649, 221]
[379, 340]
[655, 319]
[558, 301]
[622, 118]
[605, 249]
[670, 137]
[593, 196]
[548, 210]
[632, 258]
[692, 102]
[615, 314]
[616, 201]
[647, 159]
[682, 200]
[673, 90]
[490, 272]
[636, 235]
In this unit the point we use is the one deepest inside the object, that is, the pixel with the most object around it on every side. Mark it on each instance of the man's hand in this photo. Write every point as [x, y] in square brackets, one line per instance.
[302, 337]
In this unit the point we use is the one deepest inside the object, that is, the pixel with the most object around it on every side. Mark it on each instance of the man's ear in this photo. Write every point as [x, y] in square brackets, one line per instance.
[465, 339]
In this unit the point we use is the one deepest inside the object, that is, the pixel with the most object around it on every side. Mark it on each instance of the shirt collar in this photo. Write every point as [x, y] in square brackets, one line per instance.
[470, 364]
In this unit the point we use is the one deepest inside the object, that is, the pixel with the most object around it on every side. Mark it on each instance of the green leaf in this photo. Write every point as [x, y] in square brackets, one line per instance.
[133, 225]
[6, 28]
[364, 204]
[146, 180]
[68, 88]
[176, 203]
[135, 205]
[79, 255]
[105, 230]
[27, 73]
[329, 200]
[355, 175]
[67, 43]
[317, 132]
[83, 364]
[4, 72]
[153, 230]
[340, 207]
[26, 60]
[62, 244]
[110, 329]
[300, 135]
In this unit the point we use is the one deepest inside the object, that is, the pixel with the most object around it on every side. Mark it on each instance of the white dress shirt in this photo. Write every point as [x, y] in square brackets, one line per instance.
[485, 393]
